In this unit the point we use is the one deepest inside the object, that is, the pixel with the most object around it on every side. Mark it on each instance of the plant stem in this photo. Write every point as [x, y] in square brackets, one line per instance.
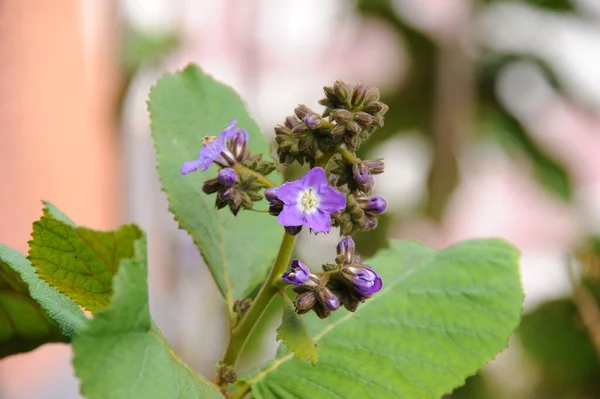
[240, 392]
[347, 155]
[239, 168]
[241, 333]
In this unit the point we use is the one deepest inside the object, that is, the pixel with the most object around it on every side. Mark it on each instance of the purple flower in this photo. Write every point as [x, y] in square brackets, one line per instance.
[214, 150]
[310, 201]
[227, 176]
[298, 275]
[365, 280]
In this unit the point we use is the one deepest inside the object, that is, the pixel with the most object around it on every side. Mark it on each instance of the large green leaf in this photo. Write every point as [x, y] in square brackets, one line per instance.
[185, 107]
[121, 354]
[438, 319]
[77, 261]
[31, 312]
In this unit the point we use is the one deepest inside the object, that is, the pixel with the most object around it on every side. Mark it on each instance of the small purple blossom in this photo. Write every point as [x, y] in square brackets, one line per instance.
[313, 121]
[227, 176]
[310, 201]
[214, 149]
[365, 280]
[361, 173]
[271, 195]
[298, 275]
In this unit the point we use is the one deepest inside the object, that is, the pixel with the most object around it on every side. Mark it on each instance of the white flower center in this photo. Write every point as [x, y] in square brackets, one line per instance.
[308, 201]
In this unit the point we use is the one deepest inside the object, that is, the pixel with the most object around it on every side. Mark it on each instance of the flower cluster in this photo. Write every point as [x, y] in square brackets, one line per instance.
[236, 184]
[352, 114]
[347, 283]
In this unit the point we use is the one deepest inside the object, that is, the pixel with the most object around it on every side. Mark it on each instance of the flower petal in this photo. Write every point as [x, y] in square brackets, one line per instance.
[314, 178]
[331, 200]
[319, 221]
[289, 192]
[291, 216]
[190, 166]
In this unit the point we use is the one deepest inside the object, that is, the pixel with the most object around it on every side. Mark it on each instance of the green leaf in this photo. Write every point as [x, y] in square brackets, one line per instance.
[185, 107]
[18, 275]
[438, 319]
[24, 323]
[77, 261]
[295, 336]
[121, 354]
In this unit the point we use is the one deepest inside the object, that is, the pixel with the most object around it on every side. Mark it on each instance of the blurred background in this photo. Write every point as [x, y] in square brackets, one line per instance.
[493, 130]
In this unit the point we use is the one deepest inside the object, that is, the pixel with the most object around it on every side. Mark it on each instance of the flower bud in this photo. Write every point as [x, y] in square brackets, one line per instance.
[302, 110]
[338, 130]
[330, 93]
[282, 130]
[226, 177]
[342, 116]
[328, 298]
[360, 173]
[305, 302]
[298, 274]
[353, 127]
[375, 166]
[363, 119]
[345, 251]
[291, 121]
[358, 95]
[372, 95]
[375, 204]
[374, 107]
[211, 186]
[341, 91]
[313, 121]
[238, 143]
[364, 279]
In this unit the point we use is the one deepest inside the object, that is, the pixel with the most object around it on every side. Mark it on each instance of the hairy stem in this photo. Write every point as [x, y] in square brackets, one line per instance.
[239, 168]
[241, 333]
[348, 156]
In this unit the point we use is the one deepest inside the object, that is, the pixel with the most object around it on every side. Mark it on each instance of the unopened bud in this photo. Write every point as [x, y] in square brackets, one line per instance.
[211, 186]
[376, 166]
[374, 107]
[360, 173]
[358, 95]
[328, 298]
[305, 301]
[342, 115]
[226, 177]
[330, 93]
[313, 121]
[302, 110]
[341, 91]
[338, 130]
[345, 251]
[292, 230]
[353, 127]
[291, 121]
[372, 95]
[363, 119]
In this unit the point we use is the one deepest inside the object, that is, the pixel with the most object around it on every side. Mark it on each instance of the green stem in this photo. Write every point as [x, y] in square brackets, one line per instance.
[241, 333]
[238, 167]
[240, 392]
[347, 155]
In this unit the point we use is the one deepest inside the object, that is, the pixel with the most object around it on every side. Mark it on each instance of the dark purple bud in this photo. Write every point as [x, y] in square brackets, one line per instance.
[360, 173]
[345, 251]
[227, 177]
[364, 279]
[342, 116]
[291, 230]
[375, 204]
[328, 298]
[211, 186]
[375, 166]
[359, 94]
[271, 194]
[305, 301]
[341, 90]
[313, 121]
[298, 275]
